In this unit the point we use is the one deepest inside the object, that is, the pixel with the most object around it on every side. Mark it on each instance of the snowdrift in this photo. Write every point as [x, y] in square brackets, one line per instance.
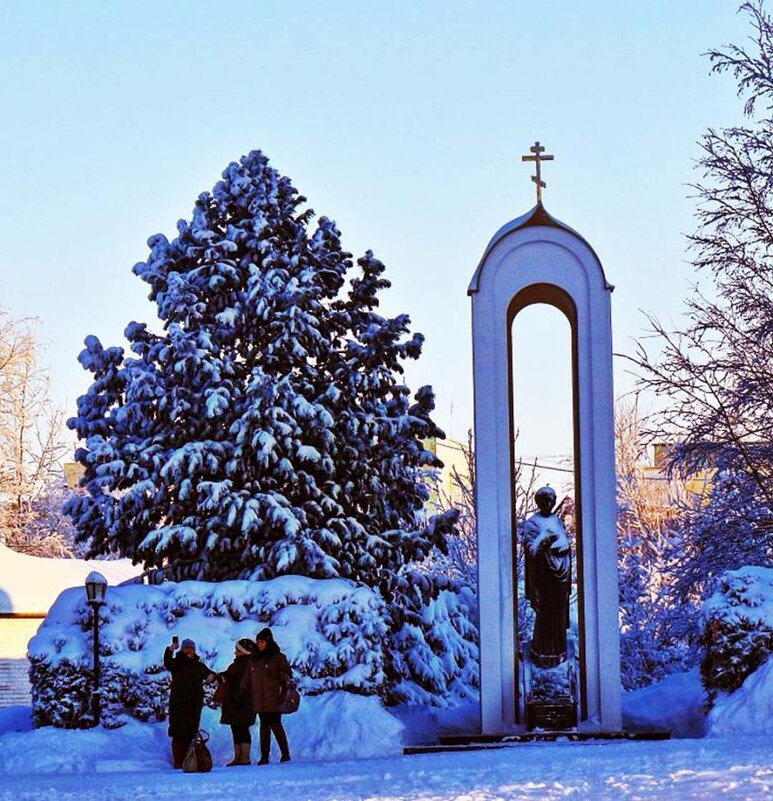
[335, 725]
[676, 703]
[749, 710]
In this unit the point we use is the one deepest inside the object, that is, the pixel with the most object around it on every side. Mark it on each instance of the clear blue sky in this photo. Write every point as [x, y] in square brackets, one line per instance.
[404, 121]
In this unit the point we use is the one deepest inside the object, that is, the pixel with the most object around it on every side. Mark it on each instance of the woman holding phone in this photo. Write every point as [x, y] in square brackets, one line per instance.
[186, 698]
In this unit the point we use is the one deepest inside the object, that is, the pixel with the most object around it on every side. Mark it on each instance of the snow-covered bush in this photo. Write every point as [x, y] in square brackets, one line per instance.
[335, 635]
[738, 635]
[432, 651]
[332, 632]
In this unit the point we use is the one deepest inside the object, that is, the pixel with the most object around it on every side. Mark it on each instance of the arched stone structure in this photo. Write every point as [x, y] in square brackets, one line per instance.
[537, 259]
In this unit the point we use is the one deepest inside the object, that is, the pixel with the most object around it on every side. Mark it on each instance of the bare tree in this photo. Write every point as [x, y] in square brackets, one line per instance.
[32, 444]
[716, 371]
[654, 638]
[649, 501]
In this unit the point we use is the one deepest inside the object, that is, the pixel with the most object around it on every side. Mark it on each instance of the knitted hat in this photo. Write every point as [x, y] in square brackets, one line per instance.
[188, 644]
[265, 634]
[245, 646]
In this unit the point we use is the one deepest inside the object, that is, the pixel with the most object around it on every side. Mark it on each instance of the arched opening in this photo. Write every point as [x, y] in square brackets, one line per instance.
[544, 444]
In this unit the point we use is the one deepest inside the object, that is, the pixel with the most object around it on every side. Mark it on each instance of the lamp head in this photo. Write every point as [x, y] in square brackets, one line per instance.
[96, 587]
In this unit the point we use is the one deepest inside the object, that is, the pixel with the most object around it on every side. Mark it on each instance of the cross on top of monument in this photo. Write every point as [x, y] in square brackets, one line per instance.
[538, 150]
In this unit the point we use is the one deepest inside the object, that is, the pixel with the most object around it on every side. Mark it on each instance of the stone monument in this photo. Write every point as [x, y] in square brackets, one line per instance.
[536, 258]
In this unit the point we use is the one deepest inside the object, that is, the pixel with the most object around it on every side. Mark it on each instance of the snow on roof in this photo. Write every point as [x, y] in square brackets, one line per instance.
[30, 584]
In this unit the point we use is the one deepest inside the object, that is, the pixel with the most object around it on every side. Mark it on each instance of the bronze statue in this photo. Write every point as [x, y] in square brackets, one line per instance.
[548, 580]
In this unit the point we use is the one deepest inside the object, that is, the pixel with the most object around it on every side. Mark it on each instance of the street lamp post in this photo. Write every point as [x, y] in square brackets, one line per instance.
[96, 587]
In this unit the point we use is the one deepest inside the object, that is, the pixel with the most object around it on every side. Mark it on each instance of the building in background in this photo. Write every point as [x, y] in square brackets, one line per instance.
[445, 490]
[29, 585]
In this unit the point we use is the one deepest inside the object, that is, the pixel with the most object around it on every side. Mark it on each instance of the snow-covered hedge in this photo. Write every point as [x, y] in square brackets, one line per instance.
[433, 654]
[748, 710]
[331, 631]
[337, 636]
[738, 636]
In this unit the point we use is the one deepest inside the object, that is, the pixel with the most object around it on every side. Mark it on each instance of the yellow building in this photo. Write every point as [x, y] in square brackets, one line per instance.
[447, 491]
[28, 587]
[73, 471]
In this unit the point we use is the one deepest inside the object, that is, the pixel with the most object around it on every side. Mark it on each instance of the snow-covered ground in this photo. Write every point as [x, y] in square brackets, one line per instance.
[51, 764]
[673, 770]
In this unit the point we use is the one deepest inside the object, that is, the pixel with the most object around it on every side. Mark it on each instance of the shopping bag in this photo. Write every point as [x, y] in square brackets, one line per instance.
[198, 759]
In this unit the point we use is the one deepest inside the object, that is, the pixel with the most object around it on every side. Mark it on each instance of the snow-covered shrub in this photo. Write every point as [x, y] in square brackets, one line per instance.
[332, 631]
[432, 651]
[748, 710]
[738, 635]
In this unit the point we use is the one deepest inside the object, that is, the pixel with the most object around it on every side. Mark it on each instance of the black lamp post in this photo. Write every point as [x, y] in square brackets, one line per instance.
[96, 586]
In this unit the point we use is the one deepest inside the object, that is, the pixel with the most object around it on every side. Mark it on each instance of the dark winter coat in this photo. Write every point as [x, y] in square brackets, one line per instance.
[186, 698]
[267, 674]
[237, 709]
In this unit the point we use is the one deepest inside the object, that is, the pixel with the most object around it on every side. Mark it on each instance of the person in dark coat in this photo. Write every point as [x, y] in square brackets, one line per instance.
[186, 698]
[237, 711]
[266, 677]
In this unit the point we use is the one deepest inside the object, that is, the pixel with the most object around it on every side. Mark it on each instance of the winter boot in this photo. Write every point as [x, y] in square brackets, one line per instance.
[237, 760]
[241, 755]
[179, 750]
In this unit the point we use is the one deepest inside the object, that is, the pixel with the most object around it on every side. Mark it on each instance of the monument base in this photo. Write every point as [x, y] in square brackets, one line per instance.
[556, 716]
[478, 742]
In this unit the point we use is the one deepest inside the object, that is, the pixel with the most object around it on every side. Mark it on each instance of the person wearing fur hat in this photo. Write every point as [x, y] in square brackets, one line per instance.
[266, 677]
[237, 711]
[186, 699]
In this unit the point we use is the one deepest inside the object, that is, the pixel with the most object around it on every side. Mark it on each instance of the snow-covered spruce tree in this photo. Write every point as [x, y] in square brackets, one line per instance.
[738, 630]
[716, 371]
[266, 430]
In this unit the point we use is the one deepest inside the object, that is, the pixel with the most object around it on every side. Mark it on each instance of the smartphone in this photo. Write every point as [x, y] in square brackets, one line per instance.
[175, 640]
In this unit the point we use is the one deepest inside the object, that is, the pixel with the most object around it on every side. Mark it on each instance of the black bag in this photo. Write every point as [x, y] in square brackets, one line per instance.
[219, 695]
[198, 759]
[289, 700]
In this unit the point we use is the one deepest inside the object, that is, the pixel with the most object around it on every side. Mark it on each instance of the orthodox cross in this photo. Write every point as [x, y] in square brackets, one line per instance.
[537, 149]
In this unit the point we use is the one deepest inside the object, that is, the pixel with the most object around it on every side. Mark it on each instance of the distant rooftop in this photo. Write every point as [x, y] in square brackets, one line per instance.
[30, 584]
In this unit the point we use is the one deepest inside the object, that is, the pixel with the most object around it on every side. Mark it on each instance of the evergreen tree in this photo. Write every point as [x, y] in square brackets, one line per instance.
[265, 430]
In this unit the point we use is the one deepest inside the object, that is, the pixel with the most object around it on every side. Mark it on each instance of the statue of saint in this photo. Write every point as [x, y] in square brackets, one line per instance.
[548, 580]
